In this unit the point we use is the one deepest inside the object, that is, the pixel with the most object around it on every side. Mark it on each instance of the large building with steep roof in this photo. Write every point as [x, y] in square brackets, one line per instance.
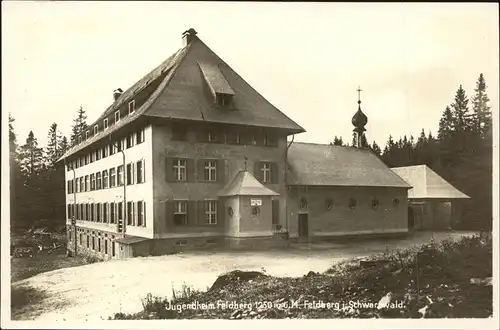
[191, 156]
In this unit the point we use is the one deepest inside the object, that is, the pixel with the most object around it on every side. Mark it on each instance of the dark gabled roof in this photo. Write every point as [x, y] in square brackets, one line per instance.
[181, 96]
[426, 183]
[185, 97]
[330, 165]
[245, 184]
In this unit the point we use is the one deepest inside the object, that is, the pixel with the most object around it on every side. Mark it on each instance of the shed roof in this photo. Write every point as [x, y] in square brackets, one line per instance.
[245, 184]
[131, 239]
[331, 165]
[427, 184]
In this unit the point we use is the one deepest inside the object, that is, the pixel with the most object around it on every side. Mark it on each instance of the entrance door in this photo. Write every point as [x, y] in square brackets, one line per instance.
[303, 225]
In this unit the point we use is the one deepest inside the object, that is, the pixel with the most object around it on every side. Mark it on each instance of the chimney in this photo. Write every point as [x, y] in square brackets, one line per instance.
[116, 93]
[188, 36]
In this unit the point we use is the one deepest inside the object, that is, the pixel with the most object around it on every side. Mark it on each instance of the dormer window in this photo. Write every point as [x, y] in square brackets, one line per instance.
[96, 129]
[105, 123]
[79, 139]
[211, 136]
[117, 116]
[131, 107]
[87, 134]
[223, 99]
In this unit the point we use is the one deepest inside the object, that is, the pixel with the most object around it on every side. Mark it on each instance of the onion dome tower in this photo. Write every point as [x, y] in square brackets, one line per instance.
[359, 121]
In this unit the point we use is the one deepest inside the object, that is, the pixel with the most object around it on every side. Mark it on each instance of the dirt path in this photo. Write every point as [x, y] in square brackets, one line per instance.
[97, 291]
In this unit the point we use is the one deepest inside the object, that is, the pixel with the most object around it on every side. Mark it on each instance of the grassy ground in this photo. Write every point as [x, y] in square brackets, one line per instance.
[432, 280]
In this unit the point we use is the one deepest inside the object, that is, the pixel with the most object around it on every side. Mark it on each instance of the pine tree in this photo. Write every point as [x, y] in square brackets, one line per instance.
[53, 150]
[31, 157]
[480, 107]
[376, 149]
[79, 126]
[63, 146]
[337, 141]
[460, 112]
[446, 124]
[12, 136]
[354, 141]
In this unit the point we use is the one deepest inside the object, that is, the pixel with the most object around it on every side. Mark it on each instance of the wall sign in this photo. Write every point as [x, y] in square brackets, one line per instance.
[255, 202]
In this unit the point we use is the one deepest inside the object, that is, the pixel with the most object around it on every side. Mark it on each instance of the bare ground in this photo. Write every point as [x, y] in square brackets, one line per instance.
[97, 291]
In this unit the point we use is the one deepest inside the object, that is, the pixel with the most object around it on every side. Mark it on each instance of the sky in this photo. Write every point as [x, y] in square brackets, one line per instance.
[307, 59]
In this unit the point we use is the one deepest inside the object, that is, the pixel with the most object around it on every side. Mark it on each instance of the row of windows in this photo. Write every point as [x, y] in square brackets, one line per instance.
[105, 122]
[179, 169]
[109, 178]
[96, 242]
[100, 153]
[329, 203]
[109, 213]
[248, 137]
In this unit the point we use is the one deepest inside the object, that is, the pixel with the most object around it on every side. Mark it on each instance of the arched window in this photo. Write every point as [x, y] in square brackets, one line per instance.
[329, 204]
[395, 202]
[375, 204]
[352, 203]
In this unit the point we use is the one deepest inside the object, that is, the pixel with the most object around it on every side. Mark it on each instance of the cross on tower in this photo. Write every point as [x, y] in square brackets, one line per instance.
[359, 94]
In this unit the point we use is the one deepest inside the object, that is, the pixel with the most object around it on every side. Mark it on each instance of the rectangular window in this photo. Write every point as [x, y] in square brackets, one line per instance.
[98, 212]
[91, 212]
[140, 136]
[93, 243]
[130, 214]
[112, 177]
[105, 212]
[117, 116]
[69, 186]
[131, 107]
[105, 179]
[88, 241]
[211, 212]
[92, 182]
[123, 143]
[120, 211]
[105, 123]
[77, 188]
[113, 250]
[140, 171]
[233, 137]
[99, 244]
[180, 169]
[82, 184]
[112, 212]
[87, 183]
[81, 239]
[130, 174]
[120, 175]
[210, 170]
[105, 246]
[112, 149]
[105, 151]
[211, 136]
[98, 180]
[266, 172]
[141, 213]
[92, 156]
[87, 134]
[130, 141]
[96, 129]
[98, 154]
[180, 213]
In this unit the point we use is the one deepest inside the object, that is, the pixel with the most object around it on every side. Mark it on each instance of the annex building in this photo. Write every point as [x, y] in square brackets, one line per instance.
[191, 156]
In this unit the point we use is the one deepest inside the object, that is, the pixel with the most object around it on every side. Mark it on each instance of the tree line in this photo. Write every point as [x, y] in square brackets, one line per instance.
[461, 152]
[36, 177]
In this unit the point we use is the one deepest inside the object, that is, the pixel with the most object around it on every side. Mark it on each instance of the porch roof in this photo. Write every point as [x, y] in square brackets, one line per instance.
[245, 184]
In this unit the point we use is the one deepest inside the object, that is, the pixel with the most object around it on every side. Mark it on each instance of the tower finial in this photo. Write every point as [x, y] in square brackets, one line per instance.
[246, 163]
[359, 90]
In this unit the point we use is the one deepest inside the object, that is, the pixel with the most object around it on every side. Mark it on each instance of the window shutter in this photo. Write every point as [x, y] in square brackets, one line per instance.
[143, 214]
[221, 212]
[257, 170]
[190, 170]
[274, 173]
[191, 213]
[276, 210]
[201, 212]
[201, 170]
[144, 170]
[169, 169]
[169, 213]
[220, 170]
